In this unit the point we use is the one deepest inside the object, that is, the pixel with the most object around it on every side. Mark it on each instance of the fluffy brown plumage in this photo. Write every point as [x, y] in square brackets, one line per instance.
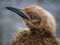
[41, 30]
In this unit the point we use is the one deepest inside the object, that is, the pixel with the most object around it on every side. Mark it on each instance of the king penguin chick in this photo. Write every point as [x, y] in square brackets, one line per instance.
[41, 27]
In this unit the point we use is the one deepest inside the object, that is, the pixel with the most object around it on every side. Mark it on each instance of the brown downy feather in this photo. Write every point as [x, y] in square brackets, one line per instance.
[41, 30]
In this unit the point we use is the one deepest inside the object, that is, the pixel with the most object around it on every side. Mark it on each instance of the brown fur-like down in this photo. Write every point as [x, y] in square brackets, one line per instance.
[41, 28]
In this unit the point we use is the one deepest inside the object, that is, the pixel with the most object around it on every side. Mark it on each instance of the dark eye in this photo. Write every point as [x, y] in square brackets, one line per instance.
[35, 19]
[33, 16]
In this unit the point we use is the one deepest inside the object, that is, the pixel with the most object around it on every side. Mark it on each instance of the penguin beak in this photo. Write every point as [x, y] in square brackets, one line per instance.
[18, 11]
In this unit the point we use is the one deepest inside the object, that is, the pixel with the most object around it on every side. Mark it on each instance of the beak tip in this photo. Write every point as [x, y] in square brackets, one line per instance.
[7, 7]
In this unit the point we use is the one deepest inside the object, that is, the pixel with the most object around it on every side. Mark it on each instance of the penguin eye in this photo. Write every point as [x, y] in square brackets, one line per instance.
[33, 16]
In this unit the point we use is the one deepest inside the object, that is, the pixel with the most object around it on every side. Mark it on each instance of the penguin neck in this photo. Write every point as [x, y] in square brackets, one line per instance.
[43, 35]
[41, 32]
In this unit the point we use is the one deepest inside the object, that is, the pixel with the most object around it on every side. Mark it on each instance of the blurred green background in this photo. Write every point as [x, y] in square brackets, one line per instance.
[10, 22]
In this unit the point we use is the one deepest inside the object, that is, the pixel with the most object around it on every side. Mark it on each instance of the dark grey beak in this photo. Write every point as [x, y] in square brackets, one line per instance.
[18, 11]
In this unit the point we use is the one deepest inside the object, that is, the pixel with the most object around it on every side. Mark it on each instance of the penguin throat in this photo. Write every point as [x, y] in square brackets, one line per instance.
[40, 32]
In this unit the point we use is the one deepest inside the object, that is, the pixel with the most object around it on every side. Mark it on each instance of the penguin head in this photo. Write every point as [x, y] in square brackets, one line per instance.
[36, 17]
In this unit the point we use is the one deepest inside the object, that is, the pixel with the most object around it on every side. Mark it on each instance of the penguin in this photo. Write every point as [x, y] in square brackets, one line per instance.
[40, 27]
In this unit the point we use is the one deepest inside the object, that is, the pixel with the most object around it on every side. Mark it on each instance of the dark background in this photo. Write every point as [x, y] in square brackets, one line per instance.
[10, 22]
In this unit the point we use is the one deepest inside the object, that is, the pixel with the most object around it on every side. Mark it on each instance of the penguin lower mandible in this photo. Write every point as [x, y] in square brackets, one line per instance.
[41, 27]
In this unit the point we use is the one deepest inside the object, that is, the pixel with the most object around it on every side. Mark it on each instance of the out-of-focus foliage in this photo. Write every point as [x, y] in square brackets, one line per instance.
[10, 22]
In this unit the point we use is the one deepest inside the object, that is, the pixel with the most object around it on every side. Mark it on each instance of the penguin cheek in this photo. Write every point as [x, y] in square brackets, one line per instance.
[35, 22]
[28, 23]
